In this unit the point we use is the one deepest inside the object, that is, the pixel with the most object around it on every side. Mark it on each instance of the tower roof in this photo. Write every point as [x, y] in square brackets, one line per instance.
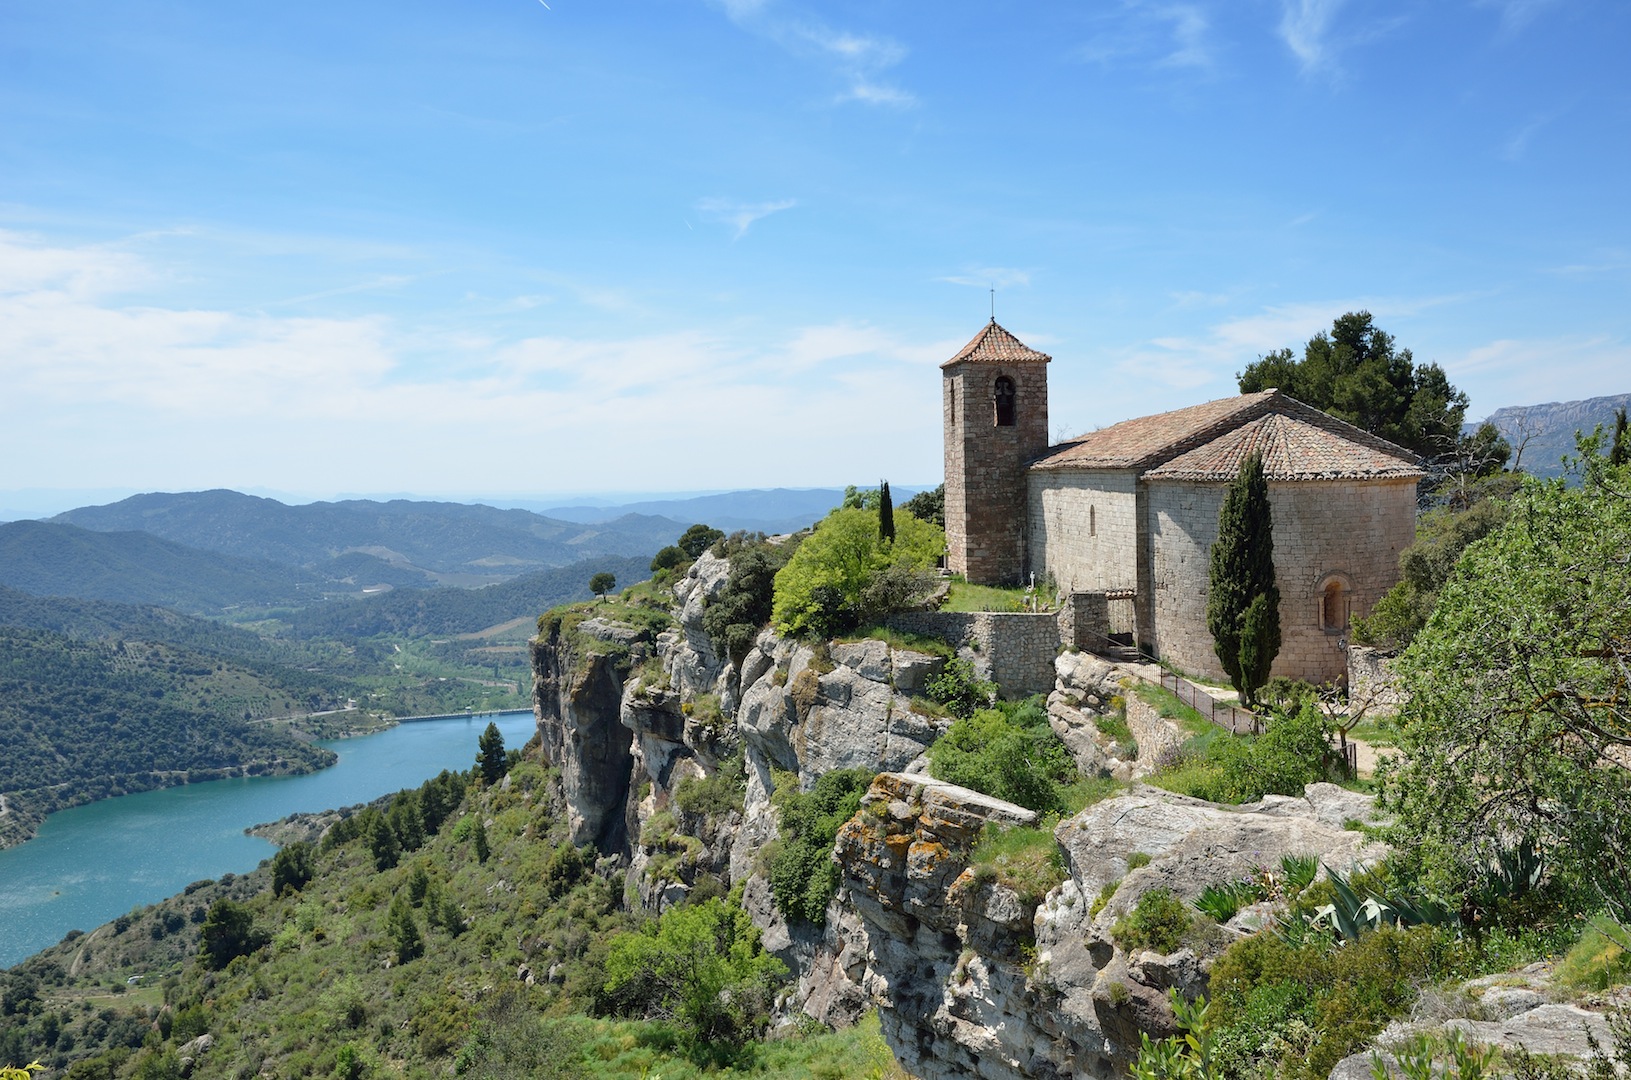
[994, 345]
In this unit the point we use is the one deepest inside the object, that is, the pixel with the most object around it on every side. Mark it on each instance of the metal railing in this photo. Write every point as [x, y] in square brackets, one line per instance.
[1231, 718]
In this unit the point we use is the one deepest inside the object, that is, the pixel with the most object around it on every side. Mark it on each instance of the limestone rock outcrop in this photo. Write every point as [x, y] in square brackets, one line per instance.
[976, 980]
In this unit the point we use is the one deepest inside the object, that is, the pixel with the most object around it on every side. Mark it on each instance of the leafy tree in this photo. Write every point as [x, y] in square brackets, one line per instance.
[697, 539]
[490, 757]
[1519, 710]
[292, 867]
[886, 514]
[1243, 605]
[1442, 534]
[701, 967]
[928, 506]
[228, 933]
[602, 583]
[823, 588]
[859, 498]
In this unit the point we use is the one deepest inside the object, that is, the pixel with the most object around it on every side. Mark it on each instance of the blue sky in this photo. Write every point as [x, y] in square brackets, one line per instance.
[500, 248]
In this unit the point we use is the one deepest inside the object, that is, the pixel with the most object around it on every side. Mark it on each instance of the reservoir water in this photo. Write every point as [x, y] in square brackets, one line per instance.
[93, 863]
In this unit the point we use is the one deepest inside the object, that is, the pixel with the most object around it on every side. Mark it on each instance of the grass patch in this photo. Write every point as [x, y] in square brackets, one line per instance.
[1381, 731]
[1167, 705]
[1083, 792]
[1599, 959]
[1025, 859]
[897, 639]
[966, 597]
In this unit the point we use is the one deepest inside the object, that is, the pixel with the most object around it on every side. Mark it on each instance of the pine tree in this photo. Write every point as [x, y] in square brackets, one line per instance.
[405, 935]
[886, 514]
[490, 758]
[1243, 608]
[480, 841]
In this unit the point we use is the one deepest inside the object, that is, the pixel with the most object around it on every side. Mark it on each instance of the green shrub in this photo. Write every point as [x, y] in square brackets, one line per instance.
[1008, 752]
[701, 966]
[1158, 922]
[844, 575]
[1290, 754]
[716, 794]
[958, 690]
[803, 876]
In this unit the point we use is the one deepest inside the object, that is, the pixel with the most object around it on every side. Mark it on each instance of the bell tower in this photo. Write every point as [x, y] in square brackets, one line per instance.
[994, 400]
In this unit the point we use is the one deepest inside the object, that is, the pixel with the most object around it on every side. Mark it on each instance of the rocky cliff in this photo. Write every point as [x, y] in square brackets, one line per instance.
[974, 976]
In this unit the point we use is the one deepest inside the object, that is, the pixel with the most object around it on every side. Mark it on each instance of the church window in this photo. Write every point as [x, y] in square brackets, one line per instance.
[1003, 395]
[1334, 604]
[1092, 521]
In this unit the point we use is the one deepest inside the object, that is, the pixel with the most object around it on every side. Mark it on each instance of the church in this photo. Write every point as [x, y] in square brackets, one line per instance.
[1129, 512]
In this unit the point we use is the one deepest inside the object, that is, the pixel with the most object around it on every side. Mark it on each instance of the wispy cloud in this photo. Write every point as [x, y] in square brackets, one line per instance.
[741, 215]
[861, 61]
[1305, 27]
[1517, 144]
[990, 277]
[1185, 363]
[1308, 29]
[1159, 35]
[145, 395]
[1516, 14]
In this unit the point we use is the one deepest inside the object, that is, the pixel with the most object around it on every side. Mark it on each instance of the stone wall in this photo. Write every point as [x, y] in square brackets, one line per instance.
[1372, 681]
[1083, 529]
[985, 467]
[1019, 646]
[1084, 621]
[1348, 529]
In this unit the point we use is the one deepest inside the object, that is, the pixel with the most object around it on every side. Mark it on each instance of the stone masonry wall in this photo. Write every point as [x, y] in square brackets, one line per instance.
[1019, 646]
[1348, 527]
[1084, 621]
[985, 467]
[1083, 529]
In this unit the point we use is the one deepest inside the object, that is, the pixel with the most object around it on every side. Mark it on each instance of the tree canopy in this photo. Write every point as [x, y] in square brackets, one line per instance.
[1358, 374]
[844, 574]
[1518, 723]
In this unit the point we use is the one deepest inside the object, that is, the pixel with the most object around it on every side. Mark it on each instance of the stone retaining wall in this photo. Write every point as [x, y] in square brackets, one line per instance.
[1020, 646]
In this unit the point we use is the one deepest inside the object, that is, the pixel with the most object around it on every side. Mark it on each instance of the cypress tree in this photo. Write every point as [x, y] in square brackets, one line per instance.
[1243, 607]
[1619, 452]
[886, 514]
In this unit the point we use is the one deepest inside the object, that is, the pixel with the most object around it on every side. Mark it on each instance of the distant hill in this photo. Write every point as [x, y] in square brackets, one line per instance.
[1546, 432]
[777, 510]
[421, 612]
[453, 543]
[138, 568]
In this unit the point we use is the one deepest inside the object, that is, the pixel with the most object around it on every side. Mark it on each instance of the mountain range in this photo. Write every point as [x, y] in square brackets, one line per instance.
[1542, 434]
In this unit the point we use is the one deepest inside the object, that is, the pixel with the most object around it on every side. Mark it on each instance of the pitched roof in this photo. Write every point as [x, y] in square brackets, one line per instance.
[994, 345]
[1291, 449]
[1153, 441]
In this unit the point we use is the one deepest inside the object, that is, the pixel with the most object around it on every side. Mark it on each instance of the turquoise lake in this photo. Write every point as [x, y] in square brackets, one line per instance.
[93, 863]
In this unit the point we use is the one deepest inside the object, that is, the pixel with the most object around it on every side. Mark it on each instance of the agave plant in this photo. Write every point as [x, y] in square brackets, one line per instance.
[1349, 915]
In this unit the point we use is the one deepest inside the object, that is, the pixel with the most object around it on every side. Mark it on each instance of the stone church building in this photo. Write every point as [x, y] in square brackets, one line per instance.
[1129, 512]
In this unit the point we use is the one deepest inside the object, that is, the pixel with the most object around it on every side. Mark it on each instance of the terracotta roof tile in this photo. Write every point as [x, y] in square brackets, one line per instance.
[994, 345]
[1152, 441]
[1292, 450]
